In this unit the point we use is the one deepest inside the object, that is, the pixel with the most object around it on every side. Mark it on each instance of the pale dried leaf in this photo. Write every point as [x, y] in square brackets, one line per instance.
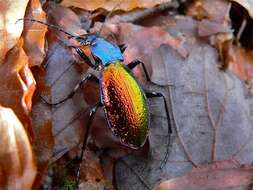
[219, 175]
[10, 12]
[17, 168]
[17, 84]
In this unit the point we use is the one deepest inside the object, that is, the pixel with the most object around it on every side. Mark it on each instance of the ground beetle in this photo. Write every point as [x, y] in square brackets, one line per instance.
[121, 96]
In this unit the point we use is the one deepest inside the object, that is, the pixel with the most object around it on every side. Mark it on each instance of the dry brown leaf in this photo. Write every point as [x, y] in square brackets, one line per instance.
[43, 147]
[148, 38]
[42, 126]
[34, 33]
[10, 12]
[208, 28]
[215, 22]
[17, 85]
[247, 4]
[112, 4]
[239, 60]
[61, 78]
[219, 175]
[17, 168]
[64, 18]
[215, 10]
[91, 173]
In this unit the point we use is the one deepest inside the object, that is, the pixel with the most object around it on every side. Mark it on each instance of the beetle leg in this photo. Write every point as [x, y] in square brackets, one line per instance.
[85, 58]
[93, 110]
[122, 47]
[136, 62]
[83, 81]
[158, 94]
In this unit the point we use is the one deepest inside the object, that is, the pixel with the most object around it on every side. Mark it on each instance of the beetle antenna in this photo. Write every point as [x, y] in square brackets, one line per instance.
[47, 24]
[107, 16]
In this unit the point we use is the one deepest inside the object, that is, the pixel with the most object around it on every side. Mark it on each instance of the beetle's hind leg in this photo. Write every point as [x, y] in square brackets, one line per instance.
[93, 111]
[158, 94]
[71, 94]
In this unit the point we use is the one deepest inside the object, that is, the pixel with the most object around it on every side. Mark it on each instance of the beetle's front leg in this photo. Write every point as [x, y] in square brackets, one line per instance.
[86, 59]
[122, 47]
[158, 94]
[136, 62]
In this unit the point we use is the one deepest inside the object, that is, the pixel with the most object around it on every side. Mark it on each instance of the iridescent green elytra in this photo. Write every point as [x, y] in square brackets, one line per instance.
[125, 105]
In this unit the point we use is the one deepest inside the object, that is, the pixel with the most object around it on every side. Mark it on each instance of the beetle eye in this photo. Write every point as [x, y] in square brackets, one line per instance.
[85, 42]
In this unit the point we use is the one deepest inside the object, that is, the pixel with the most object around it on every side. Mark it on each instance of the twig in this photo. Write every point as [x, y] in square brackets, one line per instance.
[141, 14]
[227, 17]
[242, 27]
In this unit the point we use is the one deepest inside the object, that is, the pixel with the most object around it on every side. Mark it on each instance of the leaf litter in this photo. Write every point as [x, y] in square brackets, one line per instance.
[210, 108]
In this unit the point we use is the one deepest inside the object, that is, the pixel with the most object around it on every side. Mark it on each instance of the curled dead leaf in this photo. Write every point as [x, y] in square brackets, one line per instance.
[17, 168]
[92, 175]
[215, 10]
[34, 33]
[239, 60]
[65, 18]
[10, 12]
[17, 85]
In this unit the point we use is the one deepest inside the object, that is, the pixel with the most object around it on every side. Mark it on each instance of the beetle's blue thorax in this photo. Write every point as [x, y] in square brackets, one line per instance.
[106, 51]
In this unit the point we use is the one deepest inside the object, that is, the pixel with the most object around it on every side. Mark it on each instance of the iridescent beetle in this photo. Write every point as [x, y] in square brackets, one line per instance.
[121, 96]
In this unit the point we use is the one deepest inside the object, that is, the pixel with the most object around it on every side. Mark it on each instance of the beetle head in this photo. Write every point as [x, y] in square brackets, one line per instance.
[86, 39]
